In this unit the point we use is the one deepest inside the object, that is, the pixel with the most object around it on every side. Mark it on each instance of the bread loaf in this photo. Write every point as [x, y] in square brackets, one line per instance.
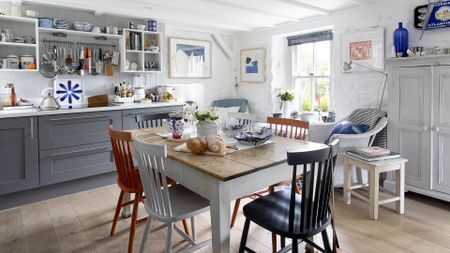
[217, 144]
[197, 145]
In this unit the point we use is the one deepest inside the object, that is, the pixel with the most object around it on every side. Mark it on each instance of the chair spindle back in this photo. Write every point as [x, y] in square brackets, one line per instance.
[151, 120]
[317, 168]
[151, 168]
[289, 128]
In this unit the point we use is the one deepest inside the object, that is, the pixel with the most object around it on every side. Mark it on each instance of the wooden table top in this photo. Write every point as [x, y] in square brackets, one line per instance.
[235, 164]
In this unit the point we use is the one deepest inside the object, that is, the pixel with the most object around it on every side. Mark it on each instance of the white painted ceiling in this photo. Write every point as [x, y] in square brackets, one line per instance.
[218, 15]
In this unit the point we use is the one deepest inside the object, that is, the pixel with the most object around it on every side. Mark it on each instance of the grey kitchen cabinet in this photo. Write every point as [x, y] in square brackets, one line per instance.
[19, 163]
[69, 163]
[129, 116]
[68, 130]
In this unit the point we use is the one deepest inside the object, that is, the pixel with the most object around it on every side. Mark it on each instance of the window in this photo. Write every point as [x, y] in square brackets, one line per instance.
[311, 71]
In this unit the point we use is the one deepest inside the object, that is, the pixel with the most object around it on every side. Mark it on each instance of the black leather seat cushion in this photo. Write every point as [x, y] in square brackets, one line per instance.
[272, 213]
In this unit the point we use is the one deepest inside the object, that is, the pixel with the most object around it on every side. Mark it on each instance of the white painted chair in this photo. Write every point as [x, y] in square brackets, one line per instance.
[247, 119]
[166, 204]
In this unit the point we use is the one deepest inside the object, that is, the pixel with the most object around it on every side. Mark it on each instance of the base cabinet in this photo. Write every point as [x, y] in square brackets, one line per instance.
[18, 154]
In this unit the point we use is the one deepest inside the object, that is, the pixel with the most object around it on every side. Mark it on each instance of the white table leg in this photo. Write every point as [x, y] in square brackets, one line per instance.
[374, 189]
[347, 182]
[220, 218]
[126, 212]
[400, 188]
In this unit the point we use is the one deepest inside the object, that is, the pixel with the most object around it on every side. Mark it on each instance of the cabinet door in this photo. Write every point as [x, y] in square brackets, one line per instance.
[68, 130]
[441, 130]
[411, 112]
[19, 165]
[129, 116]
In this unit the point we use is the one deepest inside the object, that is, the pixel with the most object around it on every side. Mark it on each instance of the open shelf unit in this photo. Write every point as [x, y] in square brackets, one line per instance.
[20, 26]
[134, 47]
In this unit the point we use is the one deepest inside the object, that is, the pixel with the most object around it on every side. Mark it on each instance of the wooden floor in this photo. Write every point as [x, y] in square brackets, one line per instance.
[81, 223]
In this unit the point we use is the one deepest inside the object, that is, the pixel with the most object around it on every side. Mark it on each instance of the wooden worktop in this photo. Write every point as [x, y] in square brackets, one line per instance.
[235, 164]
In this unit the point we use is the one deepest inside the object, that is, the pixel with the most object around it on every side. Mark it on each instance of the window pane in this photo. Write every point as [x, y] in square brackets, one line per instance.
[304, 90]
[305, 59]
[323, 58]
[322, 94]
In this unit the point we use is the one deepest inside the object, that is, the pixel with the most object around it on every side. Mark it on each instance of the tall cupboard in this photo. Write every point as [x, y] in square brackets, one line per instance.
[419, 122]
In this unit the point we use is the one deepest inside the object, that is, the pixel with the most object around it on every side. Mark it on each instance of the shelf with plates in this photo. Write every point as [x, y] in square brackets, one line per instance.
[14, 52]
[55, 31]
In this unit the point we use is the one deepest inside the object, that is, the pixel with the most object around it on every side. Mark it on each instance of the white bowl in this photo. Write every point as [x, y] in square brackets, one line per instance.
[140, 27]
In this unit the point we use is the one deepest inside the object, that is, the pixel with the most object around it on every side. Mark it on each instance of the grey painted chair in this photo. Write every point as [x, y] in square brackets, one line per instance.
[232, 102]
[163, 203]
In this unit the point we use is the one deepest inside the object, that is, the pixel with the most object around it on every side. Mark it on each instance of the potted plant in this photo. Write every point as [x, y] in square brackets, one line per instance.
[206, 122]
[286, 96]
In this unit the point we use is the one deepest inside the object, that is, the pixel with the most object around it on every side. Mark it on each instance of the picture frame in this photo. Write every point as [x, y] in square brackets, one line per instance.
[189, 58]
[365, 47]
[253, 65]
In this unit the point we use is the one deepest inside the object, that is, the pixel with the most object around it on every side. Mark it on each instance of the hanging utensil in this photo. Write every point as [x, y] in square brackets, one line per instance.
[82, 62]
[94, 63]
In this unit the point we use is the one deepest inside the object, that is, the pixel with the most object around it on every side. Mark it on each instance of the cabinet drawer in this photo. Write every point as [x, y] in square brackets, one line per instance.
[129, 116]
[65, 164]
[76, 129]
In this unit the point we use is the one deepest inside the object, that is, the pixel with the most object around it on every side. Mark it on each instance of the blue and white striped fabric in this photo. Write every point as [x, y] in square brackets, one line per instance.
[371, 117]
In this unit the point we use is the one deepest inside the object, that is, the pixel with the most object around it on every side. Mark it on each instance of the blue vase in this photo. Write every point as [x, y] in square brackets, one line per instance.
[401, 41]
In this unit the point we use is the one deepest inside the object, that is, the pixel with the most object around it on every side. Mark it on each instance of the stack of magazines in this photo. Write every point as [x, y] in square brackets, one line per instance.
[372, 154]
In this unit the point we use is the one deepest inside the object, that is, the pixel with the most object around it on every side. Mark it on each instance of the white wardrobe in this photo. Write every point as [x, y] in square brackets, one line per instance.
[419, 122]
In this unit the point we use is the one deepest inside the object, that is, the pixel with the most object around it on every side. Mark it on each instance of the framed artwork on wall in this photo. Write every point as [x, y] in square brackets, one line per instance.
[189, 58]
[365, 47]
[69, 92]
[253, 65]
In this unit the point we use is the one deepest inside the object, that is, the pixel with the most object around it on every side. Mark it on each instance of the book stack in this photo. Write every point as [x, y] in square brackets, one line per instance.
[372, 154]
[133, 40]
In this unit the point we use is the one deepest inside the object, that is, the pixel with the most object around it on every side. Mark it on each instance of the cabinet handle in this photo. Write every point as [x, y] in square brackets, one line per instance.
[80, 152]
[425, 129]
[32, 128]
[435, 129]
[83, 117]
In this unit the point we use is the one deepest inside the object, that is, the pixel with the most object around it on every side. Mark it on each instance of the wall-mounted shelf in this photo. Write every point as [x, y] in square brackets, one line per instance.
[78, 33]
[20, 26]
[13, 44]
[132, 49]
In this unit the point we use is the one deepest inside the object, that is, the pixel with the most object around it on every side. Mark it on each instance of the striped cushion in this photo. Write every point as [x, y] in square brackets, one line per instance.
[370, 117]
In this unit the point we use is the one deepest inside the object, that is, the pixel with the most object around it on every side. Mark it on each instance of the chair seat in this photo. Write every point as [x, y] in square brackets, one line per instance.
[185, 203]
[272, 213]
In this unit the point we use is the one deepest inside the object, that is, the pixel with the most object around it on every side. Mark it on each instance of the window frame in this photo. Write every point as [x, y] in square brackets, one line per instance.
[295, 75]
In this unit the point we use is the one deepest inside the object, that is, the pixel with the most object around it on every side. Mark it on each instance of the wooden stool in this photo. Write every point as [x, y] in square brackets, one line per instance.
[374, 169]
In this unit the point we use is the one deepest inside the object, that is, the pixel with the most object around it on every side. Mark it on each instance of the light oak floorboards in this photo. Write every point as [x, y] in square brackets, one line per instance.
[81, 222]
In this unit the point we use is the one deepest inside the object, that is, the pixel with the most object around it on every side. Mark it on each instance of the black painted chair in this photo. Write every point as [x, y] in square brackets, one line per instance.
[151, 120]
[295, 216]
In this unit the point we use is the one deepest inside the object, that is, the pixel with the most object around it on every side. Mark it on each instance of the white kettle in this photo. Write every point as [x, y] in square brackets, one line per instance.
[49, 102]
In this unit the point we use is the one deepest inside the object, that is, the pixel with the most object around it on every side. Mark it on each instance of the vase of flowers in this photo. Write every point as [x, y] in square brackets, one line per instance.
[286, 97]
[207, 122]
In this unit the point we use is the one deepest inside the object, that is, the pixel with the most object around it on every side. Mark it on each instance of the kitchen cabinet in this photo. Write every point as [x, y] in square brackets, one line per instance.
[129, 116]
[419, 124]
[74, 146]
[18, 154]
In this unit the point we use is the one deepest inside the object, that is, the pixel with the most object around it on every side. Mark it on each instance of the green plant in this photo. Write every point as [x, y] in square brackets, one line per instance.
[306, 104]
[324, 103]
[286, 95]
[206, 115]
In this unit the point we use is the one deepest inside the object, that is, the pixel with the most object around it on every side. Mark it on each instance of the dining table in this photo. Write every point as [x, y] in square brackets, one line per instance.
[222, 179]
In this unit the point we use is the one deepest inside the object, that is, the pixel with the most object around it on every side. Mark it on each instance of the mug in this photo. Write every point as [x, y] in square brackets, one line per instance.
[96, 29]
[176, 125]
[31, 13]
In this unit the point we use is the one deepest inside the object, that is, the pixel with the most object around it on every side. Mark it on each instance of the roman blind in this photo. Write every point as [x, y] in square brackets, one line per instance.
[310, 37]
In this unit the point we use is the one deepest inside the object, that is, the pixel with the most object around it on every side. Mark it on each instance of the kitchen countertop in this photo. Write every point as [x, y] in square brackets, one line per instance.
[36, 112]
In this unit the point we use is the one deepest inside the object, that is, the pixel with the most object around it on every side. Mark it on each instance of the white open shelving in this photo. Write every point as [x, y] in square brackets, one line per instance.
[20, 26]
[138, 54]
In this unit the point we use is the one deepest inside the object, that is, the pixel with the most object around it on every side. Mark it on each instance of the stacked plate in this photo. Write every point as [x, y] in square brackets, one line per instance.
[61, 23]
[254, 138]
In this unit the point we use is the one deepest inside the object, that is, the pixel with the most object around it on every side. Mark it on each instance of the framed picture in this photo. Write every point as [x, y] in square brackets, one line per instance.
[365, 47]
[253, 65]
[189, 58]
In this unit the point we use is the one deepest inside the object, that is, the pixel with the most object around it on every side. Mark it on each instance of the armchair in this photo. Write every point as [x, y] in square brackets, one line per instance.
[377, 121]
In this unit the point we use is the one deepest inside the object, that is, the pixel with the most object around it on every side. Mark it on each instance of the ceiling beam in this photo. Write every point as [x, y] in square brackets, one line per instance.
[251, 9]
[306, 6]
[360, 2]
